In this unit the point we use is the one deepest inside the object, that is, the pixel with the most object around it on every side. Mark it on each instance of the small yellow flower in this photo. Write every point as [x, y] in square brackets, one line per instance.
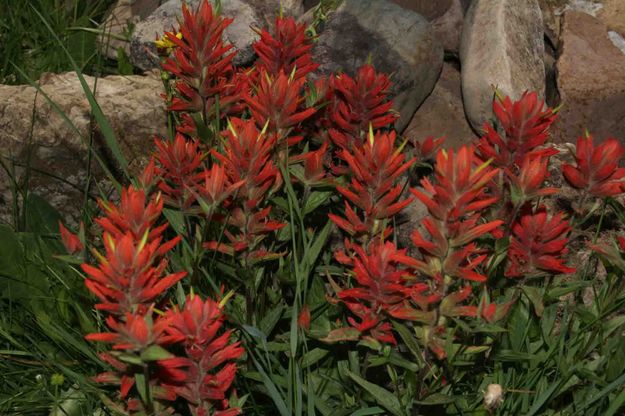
[166, 43]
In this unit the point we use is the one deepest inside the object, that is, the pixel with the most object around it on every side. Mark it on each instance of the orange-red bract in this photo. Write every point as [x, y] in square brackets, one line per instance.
[597, 167]
[538, 243]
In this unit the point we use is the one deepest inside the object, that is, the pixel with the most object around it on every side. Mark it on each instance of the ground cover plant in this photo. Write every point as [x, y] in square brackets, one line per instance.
[265, 259]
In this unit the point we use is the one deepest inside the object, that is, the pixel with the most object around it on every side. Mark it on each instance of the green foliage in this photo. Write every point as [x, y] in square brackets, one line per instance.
[29, 45]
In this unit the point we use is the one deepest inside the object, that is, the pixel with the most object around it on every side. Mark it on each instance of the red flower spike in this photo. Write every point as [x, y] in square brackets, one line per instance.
[213, 186]
[288, 49]
[127, 277]
[383, 283]
[597, 168]
[538, 243]
[528, 183]
[71, 241]
[314, 169]
[277, 103]
[525, 122]
[247, 157]
[492, 312]
[375, 167]
[205, 384]
[135, 333]
[179, 163]
[135, 214]
[360, 102]
[449, 305]
[428, 147]
[201, 62]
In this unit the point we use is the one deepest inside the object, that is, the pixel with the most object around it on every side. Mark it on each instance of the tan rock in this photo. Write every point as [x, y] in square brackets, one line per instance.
[442, 114]
[613, 15]
[591, 81]
[57, 152]
[502, 46]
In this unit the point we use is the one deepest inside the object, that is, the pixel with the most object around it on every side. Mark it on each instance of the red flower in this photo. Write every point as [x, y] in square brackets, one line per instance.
[375, 167]
[492, 312]
[314, 169]
[597, 168]
[135, 215]
[360, 102]
[209, 371]
[134, 333]
[383, 283]
[458, 195]
[129, 276]
[213, 186]
[538, 243]
[303, 320]
[179, 161]
[428, 147]
[525, 122]
[71, 241]
[202, 62]
[528, 183]
[247, 157]
[277, 104]
[286, 51]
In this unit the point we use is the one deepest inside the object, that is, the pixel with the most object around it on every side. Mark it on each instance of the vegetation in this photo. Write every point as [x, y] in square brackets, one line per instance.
[264, 260]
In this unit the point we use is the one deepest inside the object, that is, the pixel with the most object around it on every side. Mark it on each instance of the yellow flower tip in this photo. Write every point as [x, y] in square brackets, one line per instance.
[225, 299]
[371, 135]
[166, 43]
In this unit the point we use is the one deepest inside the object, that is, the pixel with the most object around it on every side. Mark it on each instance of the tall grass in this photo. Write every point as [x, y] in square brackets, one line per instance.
[27, 44]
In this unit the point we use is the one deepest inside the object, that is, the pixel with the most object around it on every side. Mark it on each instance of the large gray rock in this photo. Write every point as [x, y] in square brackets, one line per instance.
[502, 46]
[441, 114]
[165, 18]
[398, 41]
[445, 16]
[591, 81]
[56, 152]
[122, 17]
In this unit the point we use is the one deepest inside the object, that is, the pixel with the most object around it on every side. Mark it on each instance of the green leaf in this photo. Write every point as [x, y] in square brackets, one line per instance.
[341, 334]
[436, 399]
[368, 411]
[313, 356]
[616, 404]
[315, 200]
[272, 390]
[409, 340]
[384, 397]
[270, 320]
[143, 387]
[536, 297]
[41, 217]
[155, 353]
[12, 254]
[176, 220]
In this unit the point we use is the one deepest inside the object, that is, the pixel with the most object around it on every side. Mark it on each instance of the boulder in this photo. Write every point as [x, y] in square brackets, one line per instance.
[398, 42]
[165, 18]
[502, 46]
[445, 16]
[591, 81]
[123, 16]
[441, 114]
[57, 152]
[613, 15]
